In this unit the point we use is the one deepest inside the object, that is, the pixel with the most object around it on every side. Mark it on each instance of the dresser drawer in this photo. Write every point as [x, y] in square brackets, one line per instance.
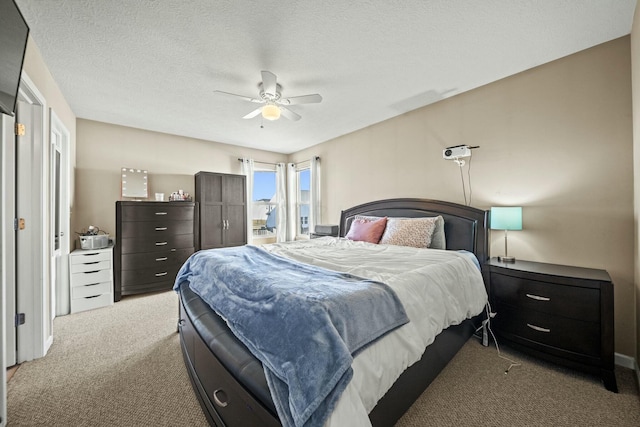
[560, 300]
[553, 331]
[89, 303]
[149, 275]
[155, 229]
[145, 244]
[155, 259]
[158, 211]
[83, 257]
[90, 266]
[91, 290]
[140, 288]
[90, 277]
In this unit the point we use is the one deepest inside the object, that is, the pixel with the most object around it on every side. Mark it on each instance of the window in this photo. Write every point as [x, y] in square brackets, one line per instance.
[264, 204]
[303, 189]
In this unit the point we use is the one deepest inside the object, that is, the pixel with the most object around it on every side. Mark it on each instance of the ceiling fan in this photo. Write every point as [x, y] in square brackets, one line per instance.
[274, 104]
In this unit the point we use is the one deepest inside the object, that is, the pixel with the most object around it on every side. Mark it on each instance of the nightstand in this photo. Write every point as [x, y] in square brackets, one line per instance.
[91, 278]
[323, 230]
[559, 313]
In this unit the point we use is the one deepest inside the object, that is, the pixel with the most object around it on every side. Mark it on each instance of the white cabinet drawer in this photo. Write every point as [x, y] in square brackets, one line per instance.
[89, 303]
[91, 290]
[91, 266]
[90, 256]
[88, 278]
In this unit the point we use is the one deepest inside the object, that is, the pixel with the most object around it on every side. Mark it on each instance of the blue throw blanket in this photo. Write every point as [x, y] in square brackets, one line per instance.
[302, 322]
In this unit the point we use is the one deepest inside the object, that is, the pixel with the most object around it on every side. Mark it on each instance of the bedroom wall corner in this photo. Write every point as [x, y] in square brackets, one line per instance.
[635, 84]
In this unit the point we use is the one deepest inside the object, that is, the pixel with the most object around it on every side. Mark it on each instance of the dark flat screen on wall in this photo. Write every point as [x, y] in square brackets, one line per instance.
[13, 43]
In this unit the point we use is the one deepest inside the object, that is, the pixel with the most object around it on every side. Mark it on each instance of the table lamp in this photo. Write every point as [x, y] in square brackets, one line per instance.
[506, 218]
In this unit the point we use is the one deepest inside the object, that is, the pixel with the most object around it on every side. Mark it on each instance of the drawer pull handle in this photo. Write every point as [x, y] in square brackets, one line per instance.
[94, 254]
[161, 274]
[164, 258]
[161, 213]
[91, 272]
[91, 263]
[93, 296]
[538, 328]
[161, 228]
[161, 243]
[92, 284]
[217, 400]
[538, 298]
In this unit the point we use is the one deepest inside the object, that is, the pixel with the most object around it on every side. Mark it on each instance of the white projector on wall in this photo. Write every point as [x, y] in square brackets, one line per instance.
[452, 153]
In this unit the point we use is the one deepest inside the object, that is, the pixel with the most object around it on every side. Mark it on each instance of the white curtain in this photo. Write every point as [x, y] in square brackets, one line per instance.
[315, 217]
[291, 201]
[281, 202]
[247, 170]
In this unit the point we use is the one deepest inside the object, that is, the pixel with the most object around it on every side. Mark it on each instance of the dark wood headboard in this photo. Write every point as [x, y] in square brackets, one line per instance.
[464, 227]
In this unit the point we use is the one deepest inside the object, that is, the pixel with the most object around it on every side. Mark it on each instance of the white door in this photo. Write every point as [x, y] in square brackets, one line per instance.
[7, 258]
[60, 216]
[33, 257]
[9, 236]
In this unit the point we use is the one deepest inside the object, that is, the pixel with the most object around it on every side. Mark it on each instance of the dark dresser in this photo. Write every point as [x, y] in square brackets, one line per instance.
[153, 240]
[559, 313]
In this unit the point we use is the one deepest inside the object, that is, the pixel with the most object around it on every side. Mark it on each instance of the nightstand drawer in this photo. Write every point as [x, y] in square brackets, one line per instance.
[91, 290]
[90, 277]
[560, 300]
[91, 266]
[553, 331]
[91, 302]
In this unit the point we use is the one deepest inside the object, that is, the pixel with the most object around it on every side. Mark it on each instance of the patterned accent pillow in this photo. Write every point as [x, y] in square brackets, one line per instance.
[366, 230]
[414, 232]
[438, 238]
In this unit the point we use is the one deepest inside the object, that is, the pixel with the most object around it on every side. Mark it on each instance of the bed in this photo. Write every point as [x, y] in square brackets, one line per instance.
[229, 380]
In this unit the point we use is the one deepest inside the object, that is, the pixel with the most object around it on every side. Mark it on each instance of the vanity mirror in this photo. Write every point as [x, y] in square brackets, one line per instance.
[134, 183]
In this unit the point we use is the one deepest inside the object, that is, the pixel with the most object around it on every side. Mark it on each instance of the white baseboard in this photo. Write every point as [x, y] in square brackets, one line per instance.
[626, 362]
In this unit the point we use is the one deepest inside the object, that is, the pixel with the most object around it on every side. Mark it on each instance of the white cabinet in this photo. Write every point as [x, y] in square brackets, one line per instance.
[91, 272]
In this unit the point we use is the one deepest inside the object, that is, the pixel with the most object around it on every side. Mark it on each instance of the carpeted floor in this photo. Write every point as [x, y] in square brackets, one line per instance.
[122, 366]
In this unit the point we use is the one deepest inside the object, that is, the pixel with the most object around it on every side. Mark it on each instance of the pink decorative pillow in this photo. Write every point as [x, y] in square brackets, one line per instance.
[416, 232]
[367, 231]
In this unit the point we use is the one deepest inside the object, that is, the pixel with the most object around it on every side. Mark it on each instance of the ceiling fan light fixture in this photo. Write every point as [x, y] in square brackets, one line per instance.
[271, 112]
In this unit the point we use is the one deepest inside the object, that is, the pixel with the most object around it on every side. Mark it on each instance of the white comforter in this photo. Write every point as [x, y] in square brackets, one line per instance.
[437, 288]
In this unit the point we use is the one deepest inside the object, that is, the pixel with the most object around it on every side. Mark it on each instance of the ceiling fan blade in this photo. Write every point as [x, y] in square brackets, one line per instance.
[254, 113]
[269, 83]
[233, 95]
[304, 99]
[290, 114]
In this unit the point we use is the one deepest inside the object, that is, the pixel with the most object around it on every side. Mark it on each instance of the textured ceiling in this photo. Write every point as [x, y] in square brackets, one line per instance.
[154, 64]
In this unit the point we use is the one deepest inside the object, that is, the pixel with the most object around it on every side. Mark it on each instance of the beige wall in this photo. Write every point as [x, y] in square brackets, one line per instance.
[635, 78]
[171, 162]
[556, 139]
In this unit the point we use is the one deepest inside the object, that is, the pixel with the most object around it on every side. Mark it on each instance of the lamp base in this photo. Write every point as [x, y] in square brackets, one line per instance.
[508, 259]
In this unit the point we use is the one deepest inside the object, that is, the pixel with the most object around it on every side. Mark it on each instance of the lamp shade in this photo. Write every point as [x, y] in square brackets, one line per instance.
[506, 218]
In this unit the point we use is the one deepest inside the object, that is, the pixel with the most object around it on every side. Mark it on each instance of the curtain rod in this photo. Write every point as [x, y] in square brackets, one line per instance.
[274, 164]
[264, 163]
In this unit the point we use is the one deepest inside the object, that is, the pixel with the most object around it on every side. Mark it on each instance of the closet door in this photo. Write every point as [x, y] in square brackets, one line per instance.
[209, 192]
[234, 192]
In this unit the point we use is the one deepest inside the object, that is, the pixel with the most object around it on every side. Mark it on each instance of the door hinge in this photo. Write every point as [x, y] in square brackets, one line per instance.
[20, 129]
[18, 224]
[19, 319]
